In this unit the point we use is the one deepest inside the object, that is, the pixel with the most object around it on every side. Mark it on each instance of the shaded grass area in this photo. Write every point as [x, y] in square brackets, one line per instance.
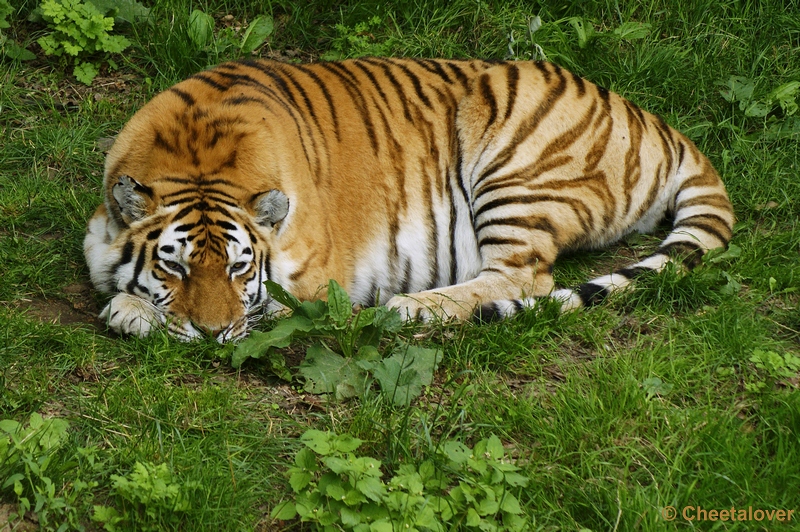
[653, 400]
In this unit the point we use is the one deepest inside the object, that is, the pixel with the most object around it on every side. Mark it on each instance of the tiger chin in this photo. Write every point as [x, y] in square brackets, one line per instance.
[442, 188]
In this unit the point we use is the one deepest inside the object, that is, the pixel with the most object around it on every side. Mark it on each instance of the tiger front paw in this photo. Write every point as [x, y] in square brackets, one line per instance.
[129, 314]
[429, 307]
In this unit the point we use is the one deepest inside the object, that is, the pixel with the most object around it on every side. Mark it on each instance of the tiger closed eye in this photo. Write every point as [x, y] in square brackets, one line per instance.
[174, 266]
[238, 266]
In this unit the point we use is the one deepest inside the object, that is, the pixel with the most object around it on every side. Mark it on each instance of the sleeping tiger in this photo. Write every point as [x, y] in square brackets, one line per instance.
[441, 188]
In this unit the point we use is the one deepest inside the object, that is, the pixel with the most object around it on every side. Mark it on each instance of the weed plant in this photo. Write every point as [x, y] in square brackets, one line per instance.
[681, 393]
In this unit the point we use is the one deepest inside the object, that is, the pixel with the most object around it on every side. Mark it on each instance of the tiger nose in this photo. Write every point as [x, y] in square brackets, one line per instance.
[214, 332]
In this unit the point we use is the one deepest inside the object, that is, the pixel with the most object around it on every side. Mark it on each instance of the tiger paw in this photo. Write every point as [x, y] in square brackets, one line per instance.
[129, 314]
[429, 307]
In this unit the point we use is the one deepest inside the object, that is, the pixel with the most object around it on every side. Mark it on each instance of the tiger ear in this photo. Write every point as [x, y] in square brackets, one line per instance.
[131, 197]
[270, 207]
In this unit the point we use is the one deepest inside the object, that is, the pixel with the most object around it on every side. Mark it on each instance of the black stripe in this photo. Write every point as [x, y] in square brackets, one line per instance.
[434, 67]
[137, 270]
[580, 84]
[692, 252]
[633, 272]
[415, 81]
[497, 241]
[529, 126]
[537, 222]
[127, 254]
[591, 294]
[489, 98]
[487, 313]
[513, 83]
[533, 198]
[398, 87]
[209, 81]
[354, 91]
[326, 94]
[697, 221]
[452, 230]
[226, 225]
[185, 96]
[154, 234]
[459, 73]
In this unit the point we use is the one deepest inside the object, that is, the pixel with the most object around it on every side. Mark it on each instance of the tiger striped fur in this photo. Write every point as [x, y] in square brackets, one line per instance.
[441, 188]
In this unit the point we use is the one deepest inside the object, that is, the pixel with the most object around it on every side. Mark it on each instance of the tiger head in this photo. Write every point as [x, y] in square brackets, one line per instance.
[199, 258]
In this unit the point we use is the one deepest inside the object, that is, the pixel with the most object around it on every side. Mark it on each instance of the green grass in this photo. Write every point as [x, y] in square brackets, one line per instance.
[574, 397]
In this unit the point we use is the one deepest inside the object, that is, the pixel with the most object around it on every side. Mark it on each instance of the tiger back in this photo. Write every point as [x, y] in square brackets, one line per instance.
[438, 187]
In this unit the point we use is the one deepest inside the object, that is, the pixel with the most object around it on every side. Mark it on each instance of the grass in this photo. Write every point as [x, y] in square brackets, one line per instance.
[656, 399]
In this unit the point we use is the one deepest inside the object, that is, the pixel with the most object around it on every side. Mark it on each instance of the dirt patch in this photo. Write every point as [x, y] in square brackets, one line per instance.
[75, 306]
[17, 525]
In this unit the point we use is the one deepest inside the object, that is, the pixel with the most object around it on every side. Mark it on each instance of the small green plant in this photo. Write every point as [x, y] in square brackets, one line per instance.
[345, 358]
[26, 454]
[358, 41]
[79, 30]
[8, 47]
[201, 33]
[772, 367]
[463, 487]
[627, 31]
[778, 107]
[150, 497]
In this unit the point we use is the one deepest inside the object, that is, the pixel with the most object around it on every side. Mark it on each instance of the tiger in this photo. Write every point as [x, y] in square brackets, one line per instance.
[444, 189]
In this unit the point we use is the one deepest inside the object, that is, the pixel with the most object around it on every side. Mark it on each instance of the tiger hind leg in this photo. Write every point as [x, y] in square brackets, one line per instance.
[516, 263]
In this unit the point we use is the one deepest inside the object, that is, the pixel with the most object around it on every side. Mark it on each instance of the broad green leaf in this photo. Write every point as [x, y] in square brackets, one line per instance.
[510, 504]
[85, 72]
[305, 459]
[257, 344]
[495, 447]
[366, 357]
[737, 89]
[371, 487]
[755, 108]
[473, 519]
[515, 479]
[720, 254]
[350, 518]
[339, 305]
[201, 28]
[381, 526]
[318, 441]
[257, 32]
[336, 492]
[11, 480]
[517, 523]
[630, 31]
[785, 95]
[10, 426]
[403, 375]
[14, 51]
[457, 452]
[354, 498]
[328, 372]
[345, 443]
[36, 420]
[280, 295]
[299, 480]
[129, 11]
[284, 511]
[653, 386]
[488, 507]
[583, 29]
